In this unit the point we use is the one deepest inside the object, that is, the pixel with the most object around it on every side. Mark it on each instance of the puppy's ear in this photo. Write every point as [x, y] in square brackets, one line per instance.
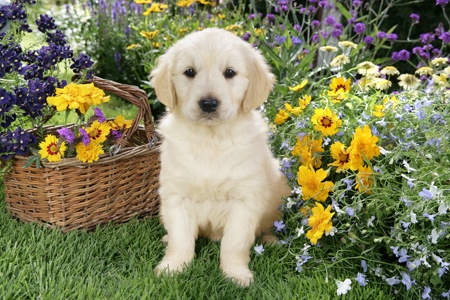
[261, 82]
[161, 79]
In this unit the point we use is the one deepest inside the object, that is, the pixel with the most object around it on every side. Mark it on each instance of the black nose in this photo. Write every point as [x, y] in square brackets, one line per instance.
[209, 105]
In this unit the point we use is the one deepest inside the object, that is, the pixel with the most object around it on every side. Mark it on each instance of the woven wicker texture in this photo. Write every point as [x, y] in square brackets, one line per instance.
[72, 195]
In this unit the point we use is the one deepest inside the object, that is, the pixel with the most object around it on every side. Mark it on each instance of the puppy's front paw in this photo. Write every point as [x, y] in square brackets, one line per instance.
[169, 268]
[242, 277]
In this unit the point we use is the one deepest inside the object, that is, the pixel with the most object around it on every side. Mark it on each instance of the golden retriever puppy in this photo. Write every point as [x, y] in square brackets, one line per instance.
[218, 177]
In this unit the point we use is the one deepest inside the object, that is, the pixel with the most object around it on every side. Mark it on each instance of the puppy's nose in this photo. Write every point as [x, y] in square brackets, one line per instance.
[209, 105]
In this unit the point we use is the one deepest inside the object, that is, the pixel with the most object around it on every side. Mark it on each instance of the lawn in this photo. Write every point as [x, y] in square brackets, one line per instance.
[116, 262]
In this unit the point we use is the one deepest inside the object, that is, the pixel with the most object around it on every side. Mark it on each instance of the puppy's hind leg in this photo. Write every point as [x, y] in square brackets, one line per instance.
[180, 238]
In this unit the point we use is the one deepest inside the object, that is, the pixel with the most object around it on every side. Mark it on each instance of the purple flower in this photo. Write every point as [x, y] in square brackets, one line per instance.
[361, 279]
[406, 280]
[128, 31]
[330, 20]
[315, 23]
[251, 16]
[403, 256]
[381, 35]
[297, 27]
[85, 139]
[117, 58]
[404, 55]
[395, 56]
[279, 225]
[392, 37]
[357, 3]
[441, 2]
[431, 217]
[415, 18]
[116, 134]
[336, 33]
[67, 134]
[325, 4]
[338, 26]
[246, 36]
[427, 290]
[270, 17]
[445, 37]
[359, 28]
[280, 39]
[99, 114]
[369, 39]
[44, 23]
[426, 38]
[296, 40]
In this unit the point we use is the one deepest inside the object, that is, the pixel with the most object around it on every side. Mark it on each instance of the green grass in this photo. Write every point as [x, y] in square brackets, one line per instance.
[116, 262]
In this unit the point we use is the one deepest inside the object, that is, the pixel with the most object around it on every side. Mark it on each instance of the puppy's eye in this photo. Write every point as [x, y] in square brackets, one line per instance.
[229, 73]
[189, 73]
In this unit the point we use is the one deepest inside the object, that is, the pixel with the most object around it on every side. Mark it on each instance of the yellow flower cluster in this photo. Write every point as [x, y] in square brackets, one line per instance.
[282, 115]
[156, 7]
[77, 96]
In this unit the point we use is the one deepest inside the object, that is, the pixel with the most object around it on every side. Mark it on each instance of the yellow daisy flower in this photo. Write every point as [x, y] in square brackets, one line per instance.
[184, 3]
[326, 121]
[300, 86]
[183, 31]
[408, 81]
[367, 68]
[309, 151]
[143, 1]
[341, 157]
[424, 71]
[339, 86]
[50, 150]
[68, 97]
[439, 60]
[304, 102]
[380, 111]
[89, 153]
[328, 49]
[206, 2]
[320, 221]
[119, 123]
[312, 185]
[348, 44]
[221, 16]
[149, 34]
[390, 70]
[156, 7]
[364, 180]
[132, 46]
[363, 142]
[296, 110]
[339, 61]
[281, 117]
[98, 131]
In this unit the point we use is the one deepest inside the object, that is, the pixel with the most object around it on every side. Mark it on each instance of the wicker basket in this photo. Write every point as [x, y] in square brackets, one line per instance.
[72, 195]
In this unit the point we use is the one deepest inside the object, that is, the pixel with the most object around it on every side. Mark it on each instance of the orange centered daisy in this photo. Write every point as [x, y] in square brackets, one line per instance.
[50, 150]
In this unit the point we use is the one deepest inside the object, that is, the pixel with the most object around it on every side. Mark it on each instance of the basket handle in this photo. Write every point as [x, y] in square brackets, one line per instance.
[132, 94]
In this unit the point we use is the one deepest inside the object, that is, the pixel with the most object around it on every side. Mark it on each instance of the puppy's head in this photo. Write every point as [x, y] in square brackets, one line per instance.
[211, 75]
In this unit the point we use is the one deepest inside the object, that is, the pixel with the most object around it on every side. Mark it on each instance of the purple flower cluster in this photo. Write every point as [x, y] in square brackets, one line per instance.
[15, 12]
[282, 6]
[401, 55]
[44, 23]
[15, 143]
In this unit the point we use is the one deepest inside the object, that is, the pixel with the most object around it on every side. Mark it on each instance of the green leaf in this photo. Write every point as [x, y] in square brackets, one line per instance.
[381, 60]
[344, 11]
[30, 161]
[67, 116]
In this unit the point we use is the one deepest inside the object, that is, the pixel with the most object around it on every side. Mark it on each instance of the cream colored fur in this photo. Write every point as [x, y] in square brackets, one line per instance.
[218, 177]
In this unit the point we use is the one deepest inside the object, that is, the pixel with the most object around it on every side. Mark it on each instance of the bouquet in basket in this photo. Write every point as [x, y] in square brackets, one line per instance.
[32, 89]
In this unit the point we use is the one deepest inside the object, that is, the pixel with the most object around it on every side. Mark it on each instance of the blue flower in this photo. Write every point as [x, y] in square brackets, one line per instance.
[279, 225]
[350, 211]
[393, 280]
[407, 108]
[431, 217]
[406, 280]
[364, 265]
[259, 249]
[426, 194]
[407, 202]
[403, 256]
[361, 279]
[426, 293]
[349, 183]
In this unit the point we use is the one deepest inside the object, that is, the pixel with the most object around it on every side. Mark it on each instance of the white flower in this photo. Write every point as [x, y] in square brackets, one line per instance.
[408, 168]
[343, 287]
[370, 221]
[413, 218]
[424, 261]
[333, 230]
[289, 203]
[434, 236]
[300, 231]
[442, 208]
[298, 191]
[384, 151]
[407, 178]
